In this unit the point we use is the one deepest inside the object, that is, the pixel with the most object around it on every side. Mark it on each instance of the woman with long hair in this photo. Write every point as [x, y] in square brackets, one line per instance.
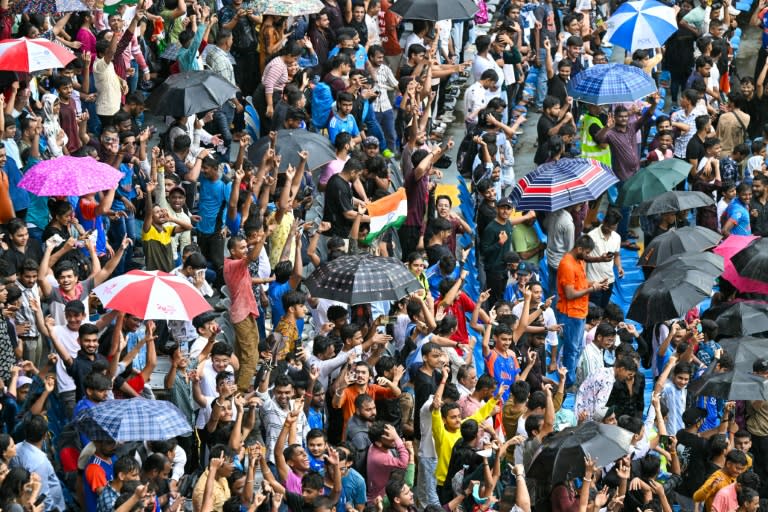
[19, 490]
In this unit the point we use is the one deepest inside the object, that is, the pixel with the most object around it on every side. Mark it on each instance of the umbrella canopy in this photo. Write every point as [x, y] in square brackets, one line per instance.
[669, 294]
[674, 201]
[654, 180]
[30, 55]
[362, 278]
[288, 145]
[727, 249]
[733, 385]
[288, 7]
[561, 457]
[152, 295]
[184, 94]
[641, 24]
[48, 6]
[134, 419]
[435, 10]
[687, 239]
[704, 261]
[745, 351]
[740, 318]
[70, 176]
[605, 84]
[752, 261]
[557, 185]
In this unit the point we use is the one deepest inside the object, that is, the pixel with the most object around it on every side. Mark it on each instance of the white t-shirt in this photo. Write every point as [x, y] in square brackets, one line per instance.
[604, 269]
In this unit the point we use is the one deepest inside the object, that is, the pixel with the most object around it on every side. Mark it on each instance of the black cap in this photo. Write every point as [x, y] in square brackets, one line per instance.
[692, 415]
[504, 202]
[760, 365]
[74, 306]
[203, 318]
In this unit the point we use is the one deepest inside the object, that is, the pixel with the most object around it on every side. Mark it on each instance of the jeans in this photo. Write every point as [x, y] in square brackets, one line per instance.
[386, 120]
[426, 484]
[570, 344]
[133, 80]
[601, 298]
[118, 229]
[212, 247]
[541, 84]
[552, 283]
[373, 127]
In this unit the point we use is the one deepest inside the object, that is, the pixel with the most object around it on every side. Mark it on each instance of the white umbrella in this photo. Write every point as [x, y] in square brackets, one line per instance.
[641, 24]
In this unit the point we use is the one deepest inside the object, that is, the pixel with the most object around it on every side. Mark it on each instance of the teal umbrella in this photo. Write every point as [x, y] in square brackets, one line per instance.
[654, 180]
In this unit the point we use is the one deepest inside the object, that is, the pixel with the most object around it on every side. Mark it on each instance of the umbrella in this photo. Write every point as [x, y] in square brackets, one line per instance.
[561, 456]
[70, 176]
[641, 24]
[705, 261]
[669, 294]
[740, 318]
[674, 201]
[732, 385]
[289, 143]
[727, 249]
[557, 185]
[687, 239]
[288, 7]
[48, 6]
[654, 180]
[28, 55]
[745, 350]
[605, 84]
[152, 295]
[135, 419]
[435, 10]
[362, 278]
[184, 94]
[752, 261]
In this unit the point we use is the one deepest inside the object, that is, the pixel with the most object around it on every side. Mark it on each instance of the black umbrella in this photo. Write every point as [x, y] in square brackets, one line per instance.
[705, 261]
[752, 261]
[435, 10]
[674, 201]
[745, 351]
[733, 385]
[669, 294]
[740, 318]
[687, 239]
[184, 94]
[288, 145]
[362, 278]
[561, 456]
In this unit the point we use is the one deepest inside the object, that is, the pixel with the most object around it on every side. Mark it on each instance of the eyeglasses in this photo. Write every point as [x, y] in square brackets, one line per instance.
[110, 140]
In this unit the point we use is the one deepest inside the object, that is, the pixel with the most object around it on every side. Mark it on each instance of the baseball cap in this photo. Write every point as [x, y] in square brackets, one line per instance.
[371, 141]
[203, 318]
[504, 202]
[693, 414]
[178, 188]
[760, 365]
[526, 268]
[23, 380]
[74, 306]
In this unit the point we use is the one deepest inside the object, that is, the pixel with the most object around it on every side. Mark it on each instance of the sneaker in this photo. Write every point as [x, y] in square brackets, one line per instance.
[387, 153]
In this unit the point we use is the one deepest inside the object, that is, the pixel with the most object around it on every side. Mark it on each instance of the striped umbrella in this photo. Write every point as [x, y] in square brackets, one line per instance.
[605, 84]
[641, 24]
[135, 419]
[557, 185]
[28, 55]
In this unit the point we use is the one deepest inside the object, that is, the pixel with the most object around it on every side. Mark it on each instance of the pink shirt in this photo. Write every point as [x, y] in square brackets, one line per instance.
[333, 167]
[293, 483]
[238, 280]
[725, 499]
[380, 465]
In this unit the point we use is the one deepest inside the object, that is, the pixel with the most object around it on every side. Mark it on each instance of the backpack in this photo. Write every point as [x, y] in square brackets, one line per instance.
[322, 105]
[466, 154]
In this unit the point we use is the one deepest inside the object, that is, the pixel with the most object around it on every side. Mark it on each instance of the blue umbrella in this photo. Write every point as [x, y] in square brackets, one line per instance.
[557, 185]
[605, 84]
[136, 419]
[641, 24]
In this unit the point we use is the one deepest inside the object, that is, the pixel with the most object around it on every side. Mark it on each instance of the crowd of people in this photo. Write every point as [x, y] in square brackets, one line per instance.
[446, 399]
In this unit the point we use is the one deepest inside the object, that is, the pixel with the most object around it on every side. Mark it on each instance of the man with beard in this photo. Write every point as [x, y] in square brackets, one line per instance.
[573, 291]
[275, 411]
[357, 429]
[758, 206]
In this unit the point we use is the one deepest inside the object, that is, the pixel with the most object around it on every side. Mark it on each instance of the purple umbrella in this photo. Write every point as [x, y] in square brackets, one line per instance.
[70, 176]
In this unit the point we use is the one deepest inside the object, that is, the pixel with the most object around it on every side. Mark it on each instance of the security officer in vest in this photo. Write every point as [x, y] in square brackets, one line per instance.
[592, 122]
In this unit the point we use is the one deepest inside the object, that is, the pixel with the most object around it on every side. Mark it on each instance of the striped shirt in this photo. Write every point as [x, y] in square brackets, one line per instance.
[275, 76]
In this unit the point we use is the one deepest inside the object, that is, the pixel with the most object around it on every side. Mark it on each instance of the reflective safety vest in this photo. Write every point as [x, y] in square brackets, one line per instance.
[589, 147]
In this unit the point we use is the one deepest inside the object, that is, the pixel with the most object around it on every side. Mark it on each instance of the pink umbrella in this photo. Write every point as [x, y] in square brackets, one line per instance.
[70, 176]
[152, 295]
[727, 249]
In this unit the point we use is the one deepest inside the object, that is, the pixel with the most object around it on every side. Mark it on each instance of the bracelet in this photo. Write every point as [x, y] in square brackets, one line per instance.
[586, 479]
[519, 476]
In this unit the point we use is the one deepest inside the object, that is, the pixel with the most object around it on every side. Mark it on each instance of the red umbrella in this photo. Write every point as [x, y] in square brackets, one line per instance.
[152, 295]
[28, 55]
[727, 249]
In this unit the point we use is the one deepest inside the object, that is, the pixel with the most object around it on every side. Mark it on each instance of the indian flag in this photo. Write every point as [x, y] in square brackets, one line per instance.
[110, 6]
[387, 212]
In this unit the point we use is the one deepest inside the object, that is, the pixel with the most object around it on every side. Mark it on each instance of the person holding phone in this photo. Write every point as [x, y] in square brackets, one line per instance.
[604, 257]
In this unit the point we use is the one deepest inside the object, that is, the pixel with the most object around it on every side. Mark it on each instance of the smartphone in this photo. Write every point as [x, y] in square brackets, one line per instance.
[664, 442]
[698, 328]
[40, 499]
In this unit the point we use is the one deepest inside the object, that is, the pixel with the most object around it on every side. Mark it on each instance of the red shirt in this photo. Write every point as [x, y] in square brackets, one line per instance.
[238, 280]
[459, 309]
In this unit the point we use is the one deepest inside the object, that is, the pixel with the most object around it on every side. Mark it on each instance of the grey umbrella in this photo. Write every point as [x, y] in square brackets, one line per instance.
[752, 261]
[184, 94]
[669, 294]
[674, 201]
[288, 145]
[362, 278]
[687, 239]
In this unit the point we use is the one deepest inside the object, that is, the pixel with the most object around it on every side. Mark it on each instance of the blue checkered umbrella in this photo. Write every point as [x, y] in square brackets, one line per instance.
[641, 24]
[136, 419]
[557, 185]
[605, 84]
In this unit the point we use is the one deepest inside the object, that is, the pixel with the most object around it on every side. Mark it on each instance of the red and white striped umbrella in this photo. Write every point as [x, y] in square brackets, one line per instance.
[28, 55]
[152, 295]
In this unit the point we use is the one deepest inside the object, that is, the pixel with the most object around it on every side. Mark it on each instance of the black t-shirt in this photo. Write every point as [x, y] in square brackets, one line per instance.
[545, 124]
[557, 87]
[295, 503]
[423, 386]
[435, 252]
[695, 149]
[485, 214]
[692, 453]
[756, 108]
[338, 199]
